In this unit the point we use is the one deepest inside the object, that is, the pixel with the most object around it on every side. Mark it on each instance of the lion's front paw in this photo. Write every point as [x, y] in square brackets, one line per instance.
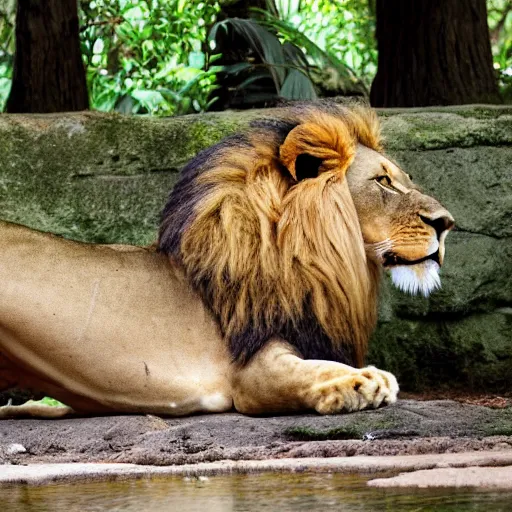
[365, 388]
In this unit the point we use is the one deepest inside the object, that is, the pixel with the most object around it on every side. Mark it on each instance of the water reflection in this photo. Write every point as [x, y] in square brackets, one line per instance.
[254, 493]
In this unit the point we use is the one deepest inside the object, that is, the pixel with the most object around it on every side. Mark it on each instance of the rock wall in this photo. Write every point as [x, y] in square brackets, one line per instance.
[104, 178]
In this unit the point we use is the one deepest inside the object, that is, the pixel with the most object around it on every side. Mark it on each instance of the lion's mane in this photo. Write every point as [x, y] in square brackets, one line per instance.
[271, 252]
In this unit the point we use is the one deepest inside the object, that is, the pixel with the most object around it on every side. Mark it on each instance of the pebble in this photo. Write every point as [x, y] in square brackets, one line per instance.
[15, 449]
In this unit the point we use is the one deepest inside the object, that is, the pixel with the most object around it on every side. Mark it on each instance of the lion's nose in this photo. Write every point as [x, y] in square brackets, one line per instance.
[441, 221]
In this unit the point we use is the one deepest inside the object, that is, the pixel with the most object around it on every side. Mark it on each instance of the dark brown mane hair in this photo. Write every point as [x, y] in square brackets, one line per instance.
[264, 226]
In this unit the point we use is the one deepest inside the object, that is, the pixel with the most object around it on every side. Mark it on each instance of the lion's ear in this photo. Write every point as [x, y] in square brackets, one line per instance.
[307, 166]
[311, 148]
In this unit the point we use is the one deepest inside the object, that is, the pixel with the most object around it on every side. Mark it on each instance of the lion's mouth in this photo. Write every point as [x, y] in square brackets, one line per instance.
[393, 260]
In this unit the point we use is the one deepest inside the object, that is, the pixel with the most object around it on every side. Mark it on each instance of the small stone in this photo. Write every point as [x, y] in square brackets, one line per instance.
[15, 449]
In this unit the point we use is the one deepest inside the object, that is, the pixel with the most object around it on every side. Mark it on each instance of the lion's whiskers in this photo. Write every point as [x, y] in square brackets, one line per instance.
[379, 249]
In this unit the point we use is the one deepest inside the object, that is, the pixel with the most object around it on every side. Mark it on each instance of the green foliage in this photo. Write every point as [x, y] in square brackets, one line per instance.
[147, 55]
[296, 56]
[50, 401]
[337, 36]
[150, 56]
[7, 14]
[284, 64]
[500, 27]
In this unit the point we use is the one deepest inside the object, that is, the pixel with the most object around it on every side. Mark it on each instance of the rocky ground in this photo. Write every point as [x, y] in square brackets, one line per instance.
[410, 427]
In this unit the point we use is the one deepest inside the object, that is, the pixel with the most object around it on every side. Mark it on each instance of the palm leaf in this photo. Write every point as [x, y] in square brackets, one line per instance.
[234, 69]
[294, 54]
[262, 42]
[254, 77]
[298, 86]
[323, 58]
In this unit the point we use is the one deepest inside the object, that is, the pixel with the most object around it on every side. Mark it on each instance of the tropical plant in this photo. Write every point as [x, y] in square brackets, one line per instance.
[337, 36]
[151, 56]
[500, 27]
[296, 61]
[326, 66]
[147, 55]
[266, 60]
[7, 15]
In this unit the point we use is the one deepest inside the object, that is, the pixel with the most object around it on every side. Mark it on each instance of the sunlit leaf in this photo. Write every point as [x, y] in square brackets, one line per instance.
[48, 401]
[193, 81]
[169, 94]
[196, 60]
[148, 99]
[133, 13]
[214, 57]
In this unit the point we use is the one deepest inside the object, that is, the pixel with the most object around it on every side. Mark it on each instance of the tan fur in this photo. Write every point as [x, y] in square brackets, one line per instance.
[123, 329]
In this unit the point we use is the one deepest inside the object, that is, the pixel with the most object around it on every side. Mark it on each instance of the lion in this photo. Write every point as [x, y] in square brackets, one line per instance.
[260, 294]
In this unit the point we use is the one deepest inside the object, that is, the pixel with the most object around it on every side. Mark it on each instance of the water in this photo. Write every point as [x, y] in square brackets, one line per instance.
[255, 493]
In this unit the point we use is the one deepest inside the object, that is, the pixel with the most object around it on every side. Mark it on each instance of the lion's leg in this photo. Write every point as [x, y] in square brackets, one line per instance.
[276, 380]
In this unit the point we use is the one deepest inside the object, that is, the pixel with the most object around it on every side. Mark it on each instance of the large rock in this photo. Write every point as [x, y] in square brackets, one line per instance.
[105, 178]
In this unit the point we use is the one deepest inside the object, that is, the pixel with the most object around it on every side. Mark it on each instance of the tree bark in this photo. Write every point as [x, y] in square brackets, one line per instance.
[49, 74]
[433, 52]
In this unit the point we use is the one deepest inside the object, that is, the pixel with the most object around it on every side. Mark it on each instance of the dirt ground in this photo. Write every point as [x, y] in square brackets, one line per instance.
[410, 427]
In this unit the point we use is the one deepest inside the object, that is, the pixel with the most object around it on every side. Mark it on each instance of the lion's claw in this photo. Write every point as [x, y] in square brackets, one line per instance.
[363, 389]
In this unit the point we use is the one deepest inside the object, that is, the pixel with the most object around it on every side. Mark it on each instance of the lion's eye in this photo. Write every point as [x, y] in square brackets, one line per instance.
[384, 180]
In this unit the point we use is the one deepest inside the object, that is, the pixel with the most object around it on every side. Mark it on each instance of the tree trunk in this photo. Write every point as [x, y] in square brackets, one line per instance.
[48, 74]
[433, 52]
